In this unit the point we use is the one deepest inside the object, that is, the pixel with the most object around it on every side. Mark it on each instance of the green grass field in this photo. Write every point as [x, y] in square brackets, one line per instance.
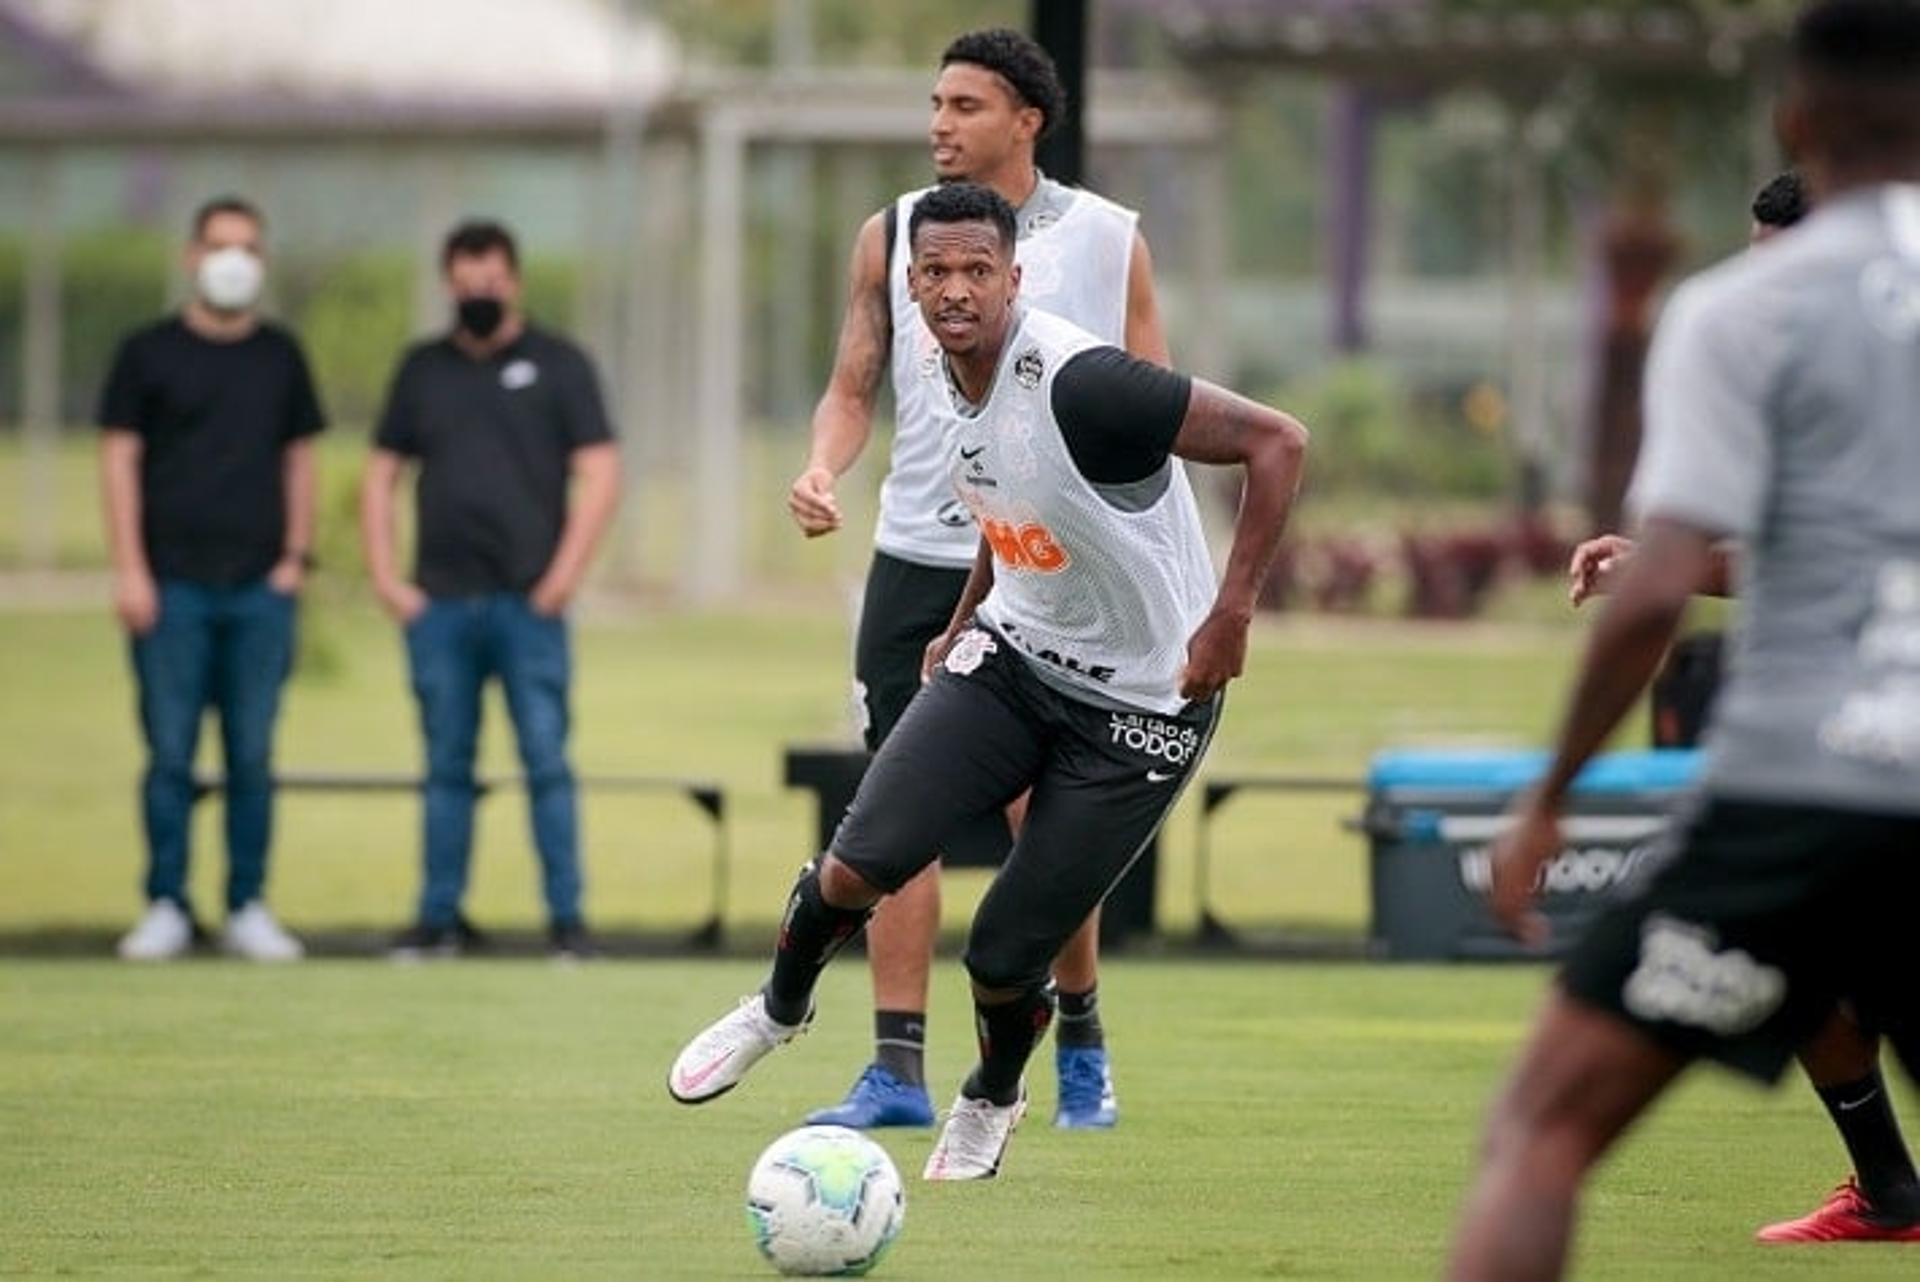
[507, 1119]
[356, 1119]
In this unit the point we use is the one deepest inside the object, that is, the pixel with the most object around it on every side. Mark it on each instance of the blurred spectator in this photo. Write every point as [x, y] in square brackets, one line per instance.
[207, 472]
[497, 416]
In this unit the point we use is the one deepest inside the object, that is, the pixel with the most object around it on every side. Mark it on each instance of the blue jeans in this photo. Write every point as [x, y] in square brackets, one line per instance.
[230, 648]
[452, 648]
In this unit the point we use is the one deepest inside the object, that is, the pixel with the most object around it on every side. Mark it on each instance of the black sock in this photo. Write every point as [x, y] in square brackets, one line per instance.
[810, 934]
[1080, 1020]
[900, 1044]
[1008, 1034]
[1864, 1116]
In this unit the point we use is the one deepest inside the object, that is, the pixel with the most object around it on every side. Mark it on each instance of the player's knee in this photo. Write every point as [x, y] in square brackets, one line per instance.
[842, 887]
[1542, 1123]
[998, 964]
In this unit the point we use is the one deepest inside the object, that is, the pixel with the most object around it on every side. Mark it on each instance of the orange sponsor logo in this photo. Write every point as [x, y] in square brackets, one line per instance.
[1024, 547]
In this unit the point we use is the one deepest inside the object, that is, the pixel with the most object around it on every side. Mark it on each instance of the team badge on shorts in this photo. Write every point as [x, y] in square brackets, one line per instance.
[965, 655]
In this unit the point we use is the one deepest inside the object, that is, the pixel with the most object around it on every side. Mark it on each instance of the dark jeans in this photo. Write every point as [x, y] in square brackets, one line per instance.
[452, 649]
[230, 648]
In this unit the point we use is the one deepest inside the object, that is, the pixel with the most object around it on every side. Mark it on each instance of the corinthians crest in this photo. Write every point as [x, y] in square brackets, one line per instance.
[965, 655]
[1028, 367]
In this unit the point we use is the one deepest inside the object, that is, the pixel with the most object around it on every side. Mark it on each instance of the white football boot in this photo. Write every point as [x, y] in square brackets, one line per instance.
[714, 1062]
[162, 934]
[974, 1139]
[253, 933]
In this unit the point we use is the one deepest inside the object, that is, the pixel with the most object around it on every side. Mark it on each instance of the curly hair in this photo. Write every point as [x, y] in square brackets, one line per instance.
[962, 202]
[1020, 61]
[1782, 202]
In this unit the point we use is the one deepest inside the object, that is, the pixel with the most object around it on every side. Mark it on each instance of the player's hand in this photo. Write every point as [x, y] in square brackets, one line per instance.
[811, 503]
[1596, 565]
[1532, 838]
[936, 654]
[136, 600]
[403, 601]
[1216, 654]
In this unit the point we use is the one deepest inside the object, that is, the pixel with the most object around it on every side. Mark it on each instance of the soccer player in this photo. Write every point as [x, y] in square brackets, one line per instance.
[1881, 1200]
[1782, 395]
[1084, 660]
[1780, 204]
[996, 96]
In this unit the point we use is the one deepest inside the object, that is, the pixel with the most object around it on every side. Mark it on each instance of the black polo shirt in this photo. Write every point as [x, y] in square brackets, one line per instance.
[214, 419]
[494, 440]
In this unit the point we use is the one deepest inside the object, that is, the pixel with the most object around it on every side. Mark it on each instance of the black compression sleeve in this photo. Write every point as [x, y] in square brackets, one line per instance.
[1119, 415]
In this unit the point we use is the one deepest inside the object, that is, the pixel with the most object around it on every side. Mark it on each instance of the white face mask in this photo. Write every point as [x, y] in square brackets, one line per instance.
[229, 279]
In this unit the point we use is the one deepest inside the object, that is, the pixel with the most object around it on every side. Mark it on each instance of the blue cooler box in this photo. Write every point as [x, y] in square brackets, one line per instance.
[1431, 819]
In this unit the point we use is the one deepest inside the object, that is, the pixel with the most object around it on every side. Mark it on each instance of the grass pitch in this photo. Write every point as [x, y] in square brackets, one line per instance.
[359, 1119]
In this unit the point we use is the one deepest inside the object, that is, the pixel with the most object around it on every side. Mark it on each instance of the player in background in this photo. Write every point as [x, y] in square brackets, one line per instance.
[1596, 563]
[1083, 662]
[1880, 1201]
[1782, 394]
[996, 96]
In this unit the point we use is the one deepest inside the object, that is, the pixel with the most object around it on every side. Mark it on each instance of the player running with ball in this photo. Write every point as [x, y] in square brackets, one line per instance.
[1084, 660]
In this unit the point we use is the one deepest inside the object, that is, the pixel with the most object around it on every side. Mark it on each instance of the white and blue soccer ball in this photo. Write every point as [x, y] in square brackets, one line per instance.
[825, 1201]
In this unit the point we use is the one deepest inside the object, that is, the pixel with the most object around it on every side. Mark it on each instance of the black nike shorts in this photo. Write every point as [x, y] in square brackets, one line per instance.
[986, 729]
[906, 606]
[1761, 919]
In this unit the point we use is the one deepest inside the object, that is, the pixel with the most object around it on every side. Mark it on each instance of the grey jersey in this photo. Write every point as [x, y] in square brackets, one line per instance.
[1783, 408]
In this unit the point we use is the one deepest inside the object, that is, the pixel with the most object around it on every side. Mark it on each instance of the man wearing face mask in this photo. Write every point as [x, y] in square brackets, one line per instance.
[498, 419]
[207, 475]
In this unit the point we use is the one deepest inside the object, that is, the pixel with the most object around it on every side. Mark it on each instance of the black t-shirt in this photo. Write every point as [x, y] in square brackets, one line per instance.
[214, 419]
[1119, 415]
[494, 439]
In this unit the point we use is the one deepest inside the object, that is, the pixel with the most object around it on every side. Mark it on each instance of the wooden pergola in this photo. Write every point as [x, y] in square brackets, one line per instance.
[1382, 51]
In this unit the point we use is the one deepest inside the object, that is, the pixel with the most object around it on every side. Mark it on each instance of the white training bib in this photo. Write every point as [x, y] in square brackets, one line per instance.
[1100, 598]
[1075, 265]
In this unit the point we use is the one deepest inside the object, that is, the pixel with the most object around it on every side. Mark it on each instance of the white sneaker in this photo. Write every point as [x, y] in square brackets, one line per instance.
[164, 933]
[714, 1062]
[974, 1139]
[252, 933]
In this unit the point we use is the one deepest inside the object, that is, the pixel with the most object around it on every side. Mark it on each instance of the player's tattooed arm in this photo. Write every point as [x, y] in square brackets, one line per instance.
[843, 419]
[979, 583]
[1223, 427]
[1146, 338]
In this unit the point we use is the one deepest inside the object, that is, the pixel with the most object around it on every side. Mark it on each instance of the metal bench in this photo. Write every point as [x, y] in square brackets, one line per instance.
[1214, 794]
[709, 797]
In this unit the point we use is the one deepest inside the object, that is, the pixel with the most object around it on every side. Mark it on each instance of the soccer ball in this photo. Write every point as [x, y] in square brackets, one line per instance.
[824, 1201]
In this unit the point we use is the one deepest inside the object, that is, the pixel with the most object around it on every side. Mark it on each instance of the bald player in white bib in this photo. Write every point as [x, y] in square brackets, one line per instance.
[1083, 663]
[1084, 259]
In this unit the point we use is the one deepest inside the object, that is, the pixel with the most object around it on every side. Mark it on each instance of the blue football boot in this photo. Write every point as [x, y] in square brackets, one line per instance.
[1087, 1101]
[878, 1098]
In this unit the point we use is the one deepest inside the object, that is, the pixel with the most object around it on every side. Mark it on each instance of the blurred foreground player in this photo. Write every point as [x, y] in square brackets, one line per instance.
[1782, 398]
[1880, 1201]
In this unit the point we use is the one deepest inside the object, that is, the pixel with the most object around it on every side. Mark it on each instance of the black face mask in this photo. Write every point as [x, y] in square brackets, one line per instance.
[480, 316]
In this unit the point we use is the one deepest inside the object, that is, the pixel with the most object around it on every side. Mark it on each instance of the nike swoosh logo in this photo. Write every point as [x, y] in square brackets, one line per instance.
[975, 452]
[1847, 1106]
[1154, 776]
[695, 1080]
